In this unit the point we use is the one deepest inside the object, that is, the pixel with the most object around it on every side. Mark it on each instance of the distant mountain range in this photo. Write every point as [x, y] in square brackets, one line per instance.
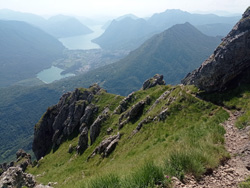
[127, 33]
[58, 26]
[64, 26]
[25, 50]
[173, 53]
[134, 32]
[170, 53]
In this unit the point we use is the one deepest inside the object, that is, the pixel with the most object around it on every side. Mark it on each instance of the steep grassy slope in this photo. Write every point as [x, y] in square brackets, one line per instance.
[173, 53]
[188, 140]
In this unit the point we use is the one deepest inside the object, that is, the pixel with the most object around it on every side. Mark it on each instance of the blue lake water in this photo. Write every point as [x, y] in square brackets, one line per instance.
[83, 42]
[52, 74]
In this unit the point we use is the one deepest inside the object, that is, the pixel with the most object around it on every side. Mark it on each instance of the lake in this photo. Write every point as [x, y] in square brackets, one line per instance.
[52, 74]
[83, 42]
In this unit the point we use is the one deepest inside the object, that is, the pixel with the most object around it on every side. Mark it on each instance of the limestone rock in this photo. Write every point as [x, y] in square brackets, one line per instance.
[95, 128]
[123, 106]
[23, 159]
[70, 115]
[156, 80]
[229, 65]
[15, 177]
[83, 141]
[135, 111]
[107, 146]
[86, 118]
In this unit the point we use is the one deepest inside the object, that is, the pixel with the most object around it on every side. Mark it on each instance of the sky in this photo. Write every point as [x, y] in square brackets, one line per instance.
[141, 8]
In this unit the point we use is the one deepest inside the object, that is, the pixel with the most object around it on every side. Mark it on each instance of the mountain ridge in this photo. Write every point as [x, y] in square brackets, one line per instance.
[229, 63]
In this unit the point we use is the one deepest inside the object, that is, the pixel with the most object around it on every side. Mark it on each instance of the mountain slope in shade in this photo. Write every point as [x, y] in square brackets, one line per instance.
[24, 51]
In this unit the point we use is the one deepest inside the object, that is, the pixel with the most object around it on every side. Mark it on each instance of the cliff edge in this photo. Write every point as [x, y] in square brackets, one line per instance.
[229, 65]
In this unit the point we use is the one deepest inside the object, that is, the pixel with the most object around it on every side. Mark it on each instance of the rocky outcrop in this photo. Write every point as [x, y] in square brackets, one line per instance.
[123, 106]
[23, 159]
[156, 80]
[135, 112]
[229, 65]
[71, 115]
[107, 146]
[95, 128]
[83, 141]
[15, 177]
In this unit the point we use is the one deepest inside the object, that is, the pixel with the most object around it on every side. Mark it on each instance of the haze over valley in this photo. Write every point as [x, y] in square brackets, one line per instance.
[122, 81]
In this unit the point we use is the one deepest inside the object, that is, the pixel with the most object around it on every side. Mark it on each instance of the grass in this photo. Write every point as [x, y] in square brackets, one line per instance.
[245, 184]
[189, 141]
[149, 175]
[236, 99]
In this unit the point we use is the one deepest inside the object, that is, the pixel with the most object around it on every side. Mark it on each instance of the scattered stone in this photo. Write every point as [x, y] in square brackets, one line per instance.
[109, 130]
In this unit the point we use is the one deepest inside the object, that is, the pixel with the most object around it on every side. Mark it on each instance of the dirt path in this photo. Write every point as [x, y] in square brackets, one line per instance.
[235, 169]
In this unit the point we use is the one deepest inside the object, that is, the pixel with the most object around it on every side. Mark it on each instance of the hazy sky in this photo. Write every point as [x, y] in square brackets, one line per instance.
[140, 8]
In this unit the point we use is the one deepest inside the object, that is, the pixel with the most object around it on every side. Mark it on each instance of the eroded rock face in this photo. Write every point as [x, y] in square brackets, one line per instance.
[83, 141]
[95, 128]
[156, 80]
[123, 106]
[72, 114]
[134, 113]
[229, 65]
[107, 146]
[15, 177]
[23, 159]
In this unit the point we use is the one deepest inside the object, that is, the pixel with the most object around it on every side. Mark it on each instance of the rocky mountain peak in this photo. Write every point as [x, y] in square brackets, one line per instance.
[229, 65]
